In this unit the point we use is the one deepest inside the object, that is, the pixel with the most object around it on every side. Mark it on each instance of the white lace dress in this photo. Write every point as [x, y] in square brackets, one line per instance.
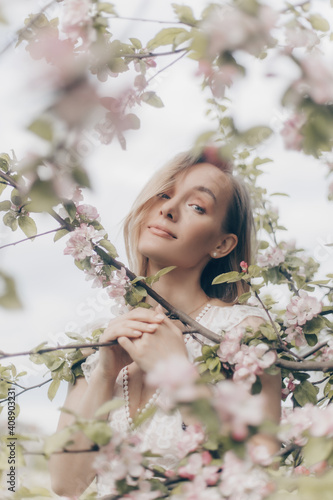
[162, 431]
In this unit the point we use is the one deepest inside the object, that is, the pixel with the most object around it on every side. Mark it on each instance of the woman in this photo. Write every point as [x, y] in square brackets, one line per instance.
[195, 215]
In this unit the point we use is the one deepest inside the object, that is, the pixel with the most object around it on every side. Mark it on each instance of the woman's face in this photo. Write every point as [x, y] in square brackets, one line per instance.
[184, 226]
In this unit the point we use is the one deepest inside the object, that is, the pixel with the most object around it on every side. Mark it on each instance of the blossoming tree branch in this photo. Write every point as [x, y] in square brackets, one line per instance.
[80, 57]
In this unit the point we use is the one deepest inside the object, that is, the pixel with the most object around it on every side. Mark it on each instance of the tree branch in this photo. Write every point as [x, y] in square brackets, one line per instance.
[26, 389]
[8, 178]
[308, 366]
[155, 54]
[165, 67]
[31, 237]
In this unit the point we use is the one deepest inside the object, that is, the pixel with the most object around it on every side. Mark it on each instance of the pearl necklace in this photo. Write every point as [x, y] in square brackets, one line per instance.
[139, 411]
[203, 312]
[153, 399]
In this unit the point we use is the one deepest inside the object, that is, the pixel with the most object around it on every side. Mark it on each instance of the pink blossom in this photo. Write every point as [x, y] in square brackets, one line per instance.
[259, 454]
[301, 470]
[295, 336]
[237, 408]
[76, 22]
[118, 285]
[250, 33]
[176, 377]
[291, 132]
[291, 385]
[191, 438]
[272, 257]
[197, 490]
[79, 244]
[244, 266]
[230, 345]
[198, 465]
[88, 211]
[241, 480]
[302, 308]
[251, 361]
[294, 423]
[317, 81]
[298, 36]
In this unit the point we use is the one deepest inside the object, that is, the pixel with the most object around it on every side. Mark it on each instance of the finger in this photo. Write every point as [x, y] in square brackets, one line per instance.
[146, 315]
[128, 345]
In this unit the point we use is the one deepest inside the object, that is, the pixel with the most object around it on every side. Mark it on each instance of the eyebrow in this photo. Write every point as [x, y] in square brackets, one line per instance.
[204, 189]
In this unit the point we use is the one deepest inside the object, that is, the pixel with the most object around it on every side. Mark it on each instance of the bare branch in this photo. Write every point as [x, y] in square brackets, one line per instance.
[308, 366]
[31, 237]
[155, 54]
[166, 67]
[26, 389]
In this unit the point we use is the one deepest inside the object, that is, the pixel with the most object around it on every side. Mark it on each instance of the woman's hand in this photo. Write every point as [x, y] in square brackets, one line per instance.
[146, 350]
[132, 325]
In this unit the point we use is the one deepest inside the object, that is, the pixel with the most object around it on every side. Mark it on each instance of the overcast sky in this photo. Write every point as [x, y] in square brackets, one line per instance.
[54, 292]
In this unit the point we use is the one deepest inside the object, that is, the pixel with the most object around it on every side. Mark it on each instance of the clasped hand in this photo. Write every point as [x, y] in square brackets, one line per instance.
[144, 336]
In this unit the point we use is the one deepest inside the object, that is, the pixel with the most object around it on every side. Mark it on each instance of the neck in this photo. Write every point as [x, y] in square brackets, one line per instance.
[181, 288]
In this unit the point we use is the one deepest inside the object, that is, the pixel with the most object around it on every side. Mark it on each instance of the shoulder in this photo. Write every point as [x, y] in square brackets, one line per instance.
[224, 317]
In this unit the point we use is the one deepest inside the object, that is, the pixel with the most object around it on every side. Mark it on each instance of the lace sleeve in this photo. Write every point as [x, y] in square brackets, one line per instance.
[242, 312]
[89, 365]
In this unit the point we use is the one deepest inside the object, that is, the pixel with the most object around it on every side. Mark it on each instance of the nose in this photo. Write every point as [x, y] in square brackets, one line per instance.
[169, 210]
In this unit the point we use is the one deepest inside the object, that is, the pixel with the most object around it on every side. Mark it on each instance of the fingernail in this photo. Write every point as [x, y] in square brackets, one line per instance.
[137, 332]
[160, 317]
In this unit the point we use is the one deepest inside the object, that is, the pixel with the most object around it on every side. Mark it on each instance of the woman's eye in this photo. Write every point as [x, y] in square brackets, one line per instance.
[163, 196]
[198, 209]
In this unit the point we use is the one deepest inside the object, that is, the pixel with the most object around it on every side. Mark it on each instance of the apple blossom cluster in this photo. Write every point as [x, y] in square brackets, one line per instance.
[241, 479]
[250, 33]
[77, 22]
[301, 422]
[228, 399]
[273, 257]
[121, 460]
[248, 361]
[176, 378]
[80, 243]
[302, 308]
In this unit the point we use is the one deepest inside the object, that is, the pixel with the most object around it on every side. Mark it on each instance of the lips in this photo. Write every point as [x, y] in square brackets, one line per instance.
[161, 231]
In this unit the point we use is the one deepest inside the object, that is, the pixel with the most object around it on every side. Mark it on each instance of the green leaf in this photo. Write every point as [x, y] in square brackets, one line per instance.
[165, 37]
[318, 22]
[111, 249]
[108, 407]
[54, 386]
[316, 450]
[5, 205]
[244, 297]
[136, 43]
[4, 162]
[152, 99]
[70, 208]
[260, 161]
[305, 393]
[314, 326]
[184, 14]
[311, 339]
[99, 432]
[28, 225]
[255, 135]
[59, 234]
[57, 441]
[42, 128]
[155, 277]
[230, 277]
[106, 7]
[10, 220]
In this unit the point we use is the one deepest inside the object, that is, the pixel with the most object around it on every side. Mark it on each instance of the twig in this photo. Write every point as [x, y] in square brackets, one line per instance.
[287, 450]
[25, 389]
[27, 27]
[8, 178]
[165, 67]
[270, 319]
[315, 349]
[11, 383]
[31, 237]
[155, 54]
[320, 381]
[144, 20]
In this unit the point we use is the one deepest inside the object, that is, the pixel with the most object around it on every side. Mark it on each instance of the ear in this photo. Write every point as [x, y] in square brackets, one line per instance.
[225, 246]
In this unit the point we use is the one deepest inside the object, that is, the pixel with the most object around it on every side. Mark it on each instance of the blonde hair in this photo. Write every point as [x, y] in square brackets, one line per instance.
[238, 220]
